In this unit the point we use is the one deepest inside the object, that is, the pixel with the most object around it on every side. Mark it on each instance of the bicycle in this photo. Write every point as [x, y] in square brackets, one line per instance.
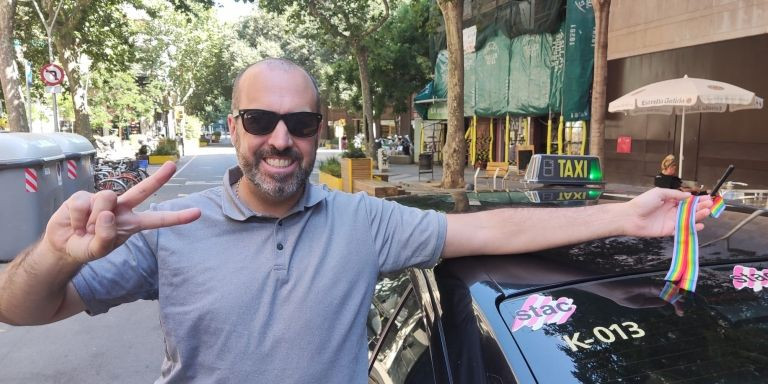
[117, 175]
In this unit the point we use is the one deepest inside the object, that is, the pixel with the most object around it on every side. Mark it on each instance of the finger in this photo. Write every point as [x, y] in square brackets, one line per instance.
[702, 214]
[79, 206]
[148, 186]
[672, 194]
[105, 234]
[679, 310]
[151, 220]
[704, 202]
[100, 202]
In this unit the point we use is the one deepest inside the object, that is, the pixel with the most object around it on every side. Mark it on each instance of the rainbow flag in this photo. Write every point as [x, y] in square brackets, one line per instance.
[718, 206]
[670, 293]
[685, 258]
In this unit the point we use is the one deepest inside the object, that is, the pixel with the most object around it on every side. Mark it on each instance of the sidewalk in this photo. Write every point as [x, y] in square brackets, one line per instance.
[407, 177]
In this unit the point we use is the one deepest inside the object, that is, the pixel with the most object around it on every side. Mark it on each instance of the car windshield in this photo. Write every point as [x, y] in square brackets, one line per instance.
[621, 330]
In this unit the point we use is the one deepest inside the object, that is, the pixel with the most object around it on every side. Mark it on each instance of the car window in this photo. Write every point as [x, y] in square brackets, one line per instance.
[404, 355]
[389, 291]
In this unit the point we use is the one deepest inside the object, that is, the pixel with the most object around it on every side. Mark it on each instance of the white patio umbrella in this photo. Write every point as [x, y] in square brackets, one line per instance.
[683, 96]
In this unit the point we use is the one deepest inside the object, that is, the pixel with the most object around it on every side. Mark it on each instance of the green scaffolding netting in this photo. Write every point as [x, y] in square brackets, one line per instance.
[492, 88]
[525, 65]
[440, 86]
[529, 74]
[579, 60]
[469, 84]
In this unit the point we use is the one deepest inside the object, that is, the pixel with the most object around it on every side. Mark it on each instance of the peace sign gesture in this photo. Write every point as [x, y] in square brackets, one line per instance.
[89, 226]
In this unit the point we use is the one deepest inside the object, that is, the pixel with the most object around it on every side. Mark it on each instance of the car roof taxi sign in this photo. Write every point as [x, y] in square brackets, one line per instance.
[564, 170]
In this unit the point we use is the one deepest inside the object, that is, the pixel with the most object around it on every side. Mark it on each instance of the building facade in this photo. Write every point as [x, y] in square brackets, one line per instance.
[654, 40]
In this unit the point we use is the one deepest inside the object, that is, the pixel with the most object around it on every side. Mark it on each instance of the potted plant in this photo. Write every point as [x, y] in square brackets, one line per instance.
[354, 165]
[166, 151]
[330, 173]
[203, 140]
[216, 136]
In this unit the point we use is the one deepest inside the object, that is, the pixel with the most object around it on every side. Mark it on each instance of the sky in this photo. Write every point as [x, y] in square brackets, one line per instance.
[230, 10]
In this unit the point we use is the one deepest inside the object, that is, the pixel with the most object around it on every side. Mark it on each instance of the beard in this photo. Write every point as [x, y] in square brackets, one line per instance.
[276, 187]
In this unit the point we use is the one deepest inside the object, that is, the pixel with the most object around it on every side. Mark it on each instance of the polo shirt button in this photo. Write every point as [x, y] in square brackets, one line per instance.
[280, 223]
[279, 246]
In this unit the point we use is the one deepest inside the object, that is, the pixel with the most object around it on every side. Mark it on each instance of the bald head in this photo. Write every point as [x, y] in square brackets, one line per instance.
[272, 64]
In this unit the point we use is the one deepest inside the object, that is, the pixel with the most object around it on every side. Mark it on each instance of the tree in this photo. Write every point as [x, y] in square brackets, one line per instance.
[597, 133]
[400, 64]
[192, 61]
[400, 61]
[9, 74]
[95, 32]
[118, 98]
[275, 35]
[85, 34]
[455, 149]
[347, 24]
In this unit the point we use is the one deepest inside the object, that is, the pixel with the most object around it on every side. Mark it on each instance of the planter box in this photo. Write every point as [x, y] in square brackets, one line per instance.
[331, 181]
[352, 169]
[157, 160]
[203, 143]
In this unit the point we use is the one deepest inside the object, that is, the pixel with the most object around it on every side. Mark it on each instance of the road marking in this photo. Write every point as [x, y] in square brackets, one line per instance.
[185, 165]
[182, 195]
[202, 183]
[3, 330]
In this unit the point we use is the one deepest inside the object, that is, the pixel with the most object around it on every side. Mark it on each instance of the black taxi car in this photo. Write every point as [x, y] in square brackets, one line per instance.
[596, 312]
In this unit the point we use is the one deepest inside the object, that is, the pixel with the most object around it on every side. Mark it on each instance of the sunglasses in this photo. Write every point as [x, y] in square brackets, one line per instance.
[261, 122]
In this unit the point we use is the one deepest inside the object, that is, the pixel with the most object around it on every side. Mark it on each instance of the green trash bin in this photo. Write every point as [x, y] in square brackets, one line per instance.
[31, 182]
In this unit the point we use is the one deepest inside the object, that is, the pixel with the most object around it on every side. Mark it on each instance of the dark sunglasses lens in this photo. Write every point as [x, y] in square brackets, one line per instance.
[302, 124]
[260, 122]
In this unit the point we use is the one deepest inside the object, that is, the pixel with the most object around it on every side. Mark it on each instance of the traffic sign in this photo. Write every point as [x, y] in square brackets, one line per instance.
[52, 74]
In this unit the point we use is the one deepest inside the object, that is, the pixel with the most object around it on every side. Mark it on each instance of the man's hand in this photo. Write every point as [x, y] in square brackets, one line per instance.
[654, 213]
[89, 226]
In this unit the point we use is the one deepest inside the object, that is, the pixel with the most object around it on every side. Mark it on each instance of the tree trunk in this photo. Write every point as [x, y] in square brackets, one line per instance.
[455, 146]
[597, 124]
[69, 58]
[404, 122]
[9, 75]
[361, 53]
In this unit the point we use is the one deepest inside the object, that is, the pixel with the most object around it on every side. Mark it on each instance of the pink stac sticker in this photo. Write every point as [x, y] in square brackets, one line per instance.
[538, 310]
[749, 277]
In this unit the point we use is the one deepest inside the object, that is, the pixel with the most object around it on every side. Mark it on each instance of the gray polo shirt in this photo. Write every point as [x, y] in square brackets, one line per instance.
[246, 298]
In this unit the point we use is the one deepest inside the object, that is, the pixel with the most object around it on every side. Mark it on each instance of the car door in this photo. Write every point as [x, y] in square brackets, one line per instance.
[400, 352]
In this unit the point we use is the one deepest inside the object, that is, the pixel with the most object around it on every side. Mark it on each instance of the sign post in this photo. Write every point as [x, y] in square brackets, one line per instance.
[52, 76]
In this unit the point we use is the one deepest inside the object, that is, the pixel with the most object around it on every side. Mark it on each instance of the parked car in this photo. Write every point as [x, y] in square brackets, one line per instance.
[596, 312]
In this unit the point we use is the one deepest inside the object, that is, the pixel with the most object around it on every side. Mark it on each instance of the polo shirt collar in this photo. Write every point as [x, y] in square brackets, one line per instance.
[235, 209]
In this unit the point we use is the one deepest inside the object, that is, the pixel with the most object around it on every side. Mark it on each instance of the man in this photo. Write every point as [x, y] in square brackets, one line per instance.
[268, 294]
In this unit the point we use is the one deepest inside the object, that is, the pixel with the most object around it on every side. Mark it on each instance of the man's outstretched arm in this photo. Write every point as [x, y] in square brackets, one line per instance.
[519, 230]
[36, 288]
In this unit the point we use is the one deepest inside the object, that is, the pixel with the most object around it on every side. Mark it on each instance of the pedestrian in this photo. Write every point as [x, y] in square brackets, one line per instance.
[180, 144]
[667, 177]
[253, 284]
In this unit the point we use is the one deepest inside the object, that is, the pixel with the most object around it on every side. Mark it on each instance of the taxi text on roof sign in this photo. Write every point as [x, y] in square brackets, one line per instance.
[564, 169]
